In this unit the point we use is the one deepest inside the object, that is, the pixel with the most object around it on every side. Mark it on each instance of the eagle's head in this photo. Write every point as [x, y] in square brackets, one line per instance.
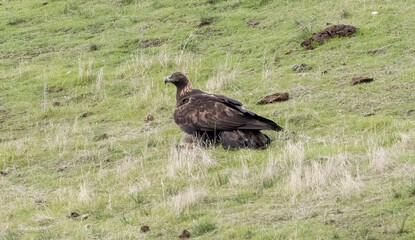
[178, 79]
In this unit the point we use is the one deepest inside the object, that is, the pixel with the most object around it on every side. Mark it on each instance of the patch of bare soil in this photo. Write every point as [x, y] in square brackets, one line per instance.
[276, 97]
[185, 234]
[54, 89]
[209, 32]
[154, 42]
[369, 114]
[40, 201]
[4, 115]
[204, 21]
[61, 167]
[65, 30]
[253, 24]
[358, 80]
[301, 67]
[330, 32]
[143, 27]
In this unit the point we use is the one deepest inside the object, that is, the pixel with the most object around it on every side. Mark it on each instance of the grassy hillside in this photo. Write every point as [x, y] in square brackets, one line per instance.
[78, 78]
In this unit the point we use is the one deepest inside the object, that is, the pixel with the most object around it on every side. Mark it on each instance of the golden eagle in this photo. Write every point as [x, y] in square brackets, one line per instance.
[217, 117]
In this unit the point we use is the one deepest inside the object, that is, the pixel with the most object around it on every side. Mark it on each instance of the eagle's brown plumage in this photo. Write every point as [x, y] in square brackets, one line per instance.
[198, 112]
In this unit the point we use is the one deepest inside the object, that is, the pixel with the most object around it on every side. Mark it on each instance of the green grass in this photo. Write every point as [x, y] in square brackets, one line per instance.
[78, 78]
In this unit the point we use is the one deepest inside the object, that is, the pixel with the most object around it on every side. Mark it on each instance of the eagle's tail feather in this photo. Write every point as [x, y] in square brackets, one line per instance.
[261, 124]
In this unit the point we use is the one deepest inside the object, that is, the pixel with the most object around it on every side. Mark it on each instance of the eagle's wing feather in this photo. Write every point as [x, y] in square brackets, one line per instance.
[207, 112]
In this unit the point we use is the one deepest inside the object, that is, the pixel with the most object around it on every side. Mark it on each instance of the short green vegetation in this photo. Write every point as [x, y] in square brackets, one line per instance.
[86, 121]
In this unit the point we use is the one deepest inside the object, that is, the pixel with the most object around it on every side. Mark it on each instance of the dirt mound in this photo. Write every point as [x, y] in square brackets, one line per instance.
[330, 32]
[185, 234]
[149, 118]
[276, 97]
[358, 80]
[144, 229]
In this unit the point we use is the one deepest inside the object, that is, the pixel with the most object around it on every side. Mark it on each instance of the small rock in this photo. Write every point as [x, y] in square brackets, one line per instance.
[301, 67]
[276, 113]
[61, 167]
[149, 118]
[374, 13]
[144, 27]
[276, 97]
[144, 229]
[74, 215]
[39, 201]
[289, 52]
[358, 80]
[185, 234]
[205, 22]
[85, 216]
[331, 221]
[373, 51]
[86, 114]
[5, 171]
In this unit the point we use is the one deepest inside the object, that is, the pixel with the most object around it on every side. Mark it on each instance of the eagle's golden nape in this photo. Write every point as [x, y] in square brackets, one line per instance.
[217, 118]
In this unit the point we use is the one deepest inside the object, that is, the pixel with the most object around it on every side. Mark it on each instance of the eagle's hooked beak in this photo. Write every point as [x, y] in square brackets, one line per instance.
[166, 80]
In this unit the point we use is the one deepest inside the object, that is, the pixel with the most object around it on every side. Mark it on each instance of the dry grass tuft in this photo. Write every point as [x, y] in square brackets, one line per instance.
[85, 195]
[379, 160]
[225, 75]
[350, 186]
[188, 162]
[312, 176]
[185, 199]
[85, 71]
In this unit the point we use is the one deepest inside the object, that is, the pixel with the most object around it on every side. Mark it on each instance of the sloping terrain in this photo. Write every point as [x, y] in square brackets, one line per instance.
[80, 79]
